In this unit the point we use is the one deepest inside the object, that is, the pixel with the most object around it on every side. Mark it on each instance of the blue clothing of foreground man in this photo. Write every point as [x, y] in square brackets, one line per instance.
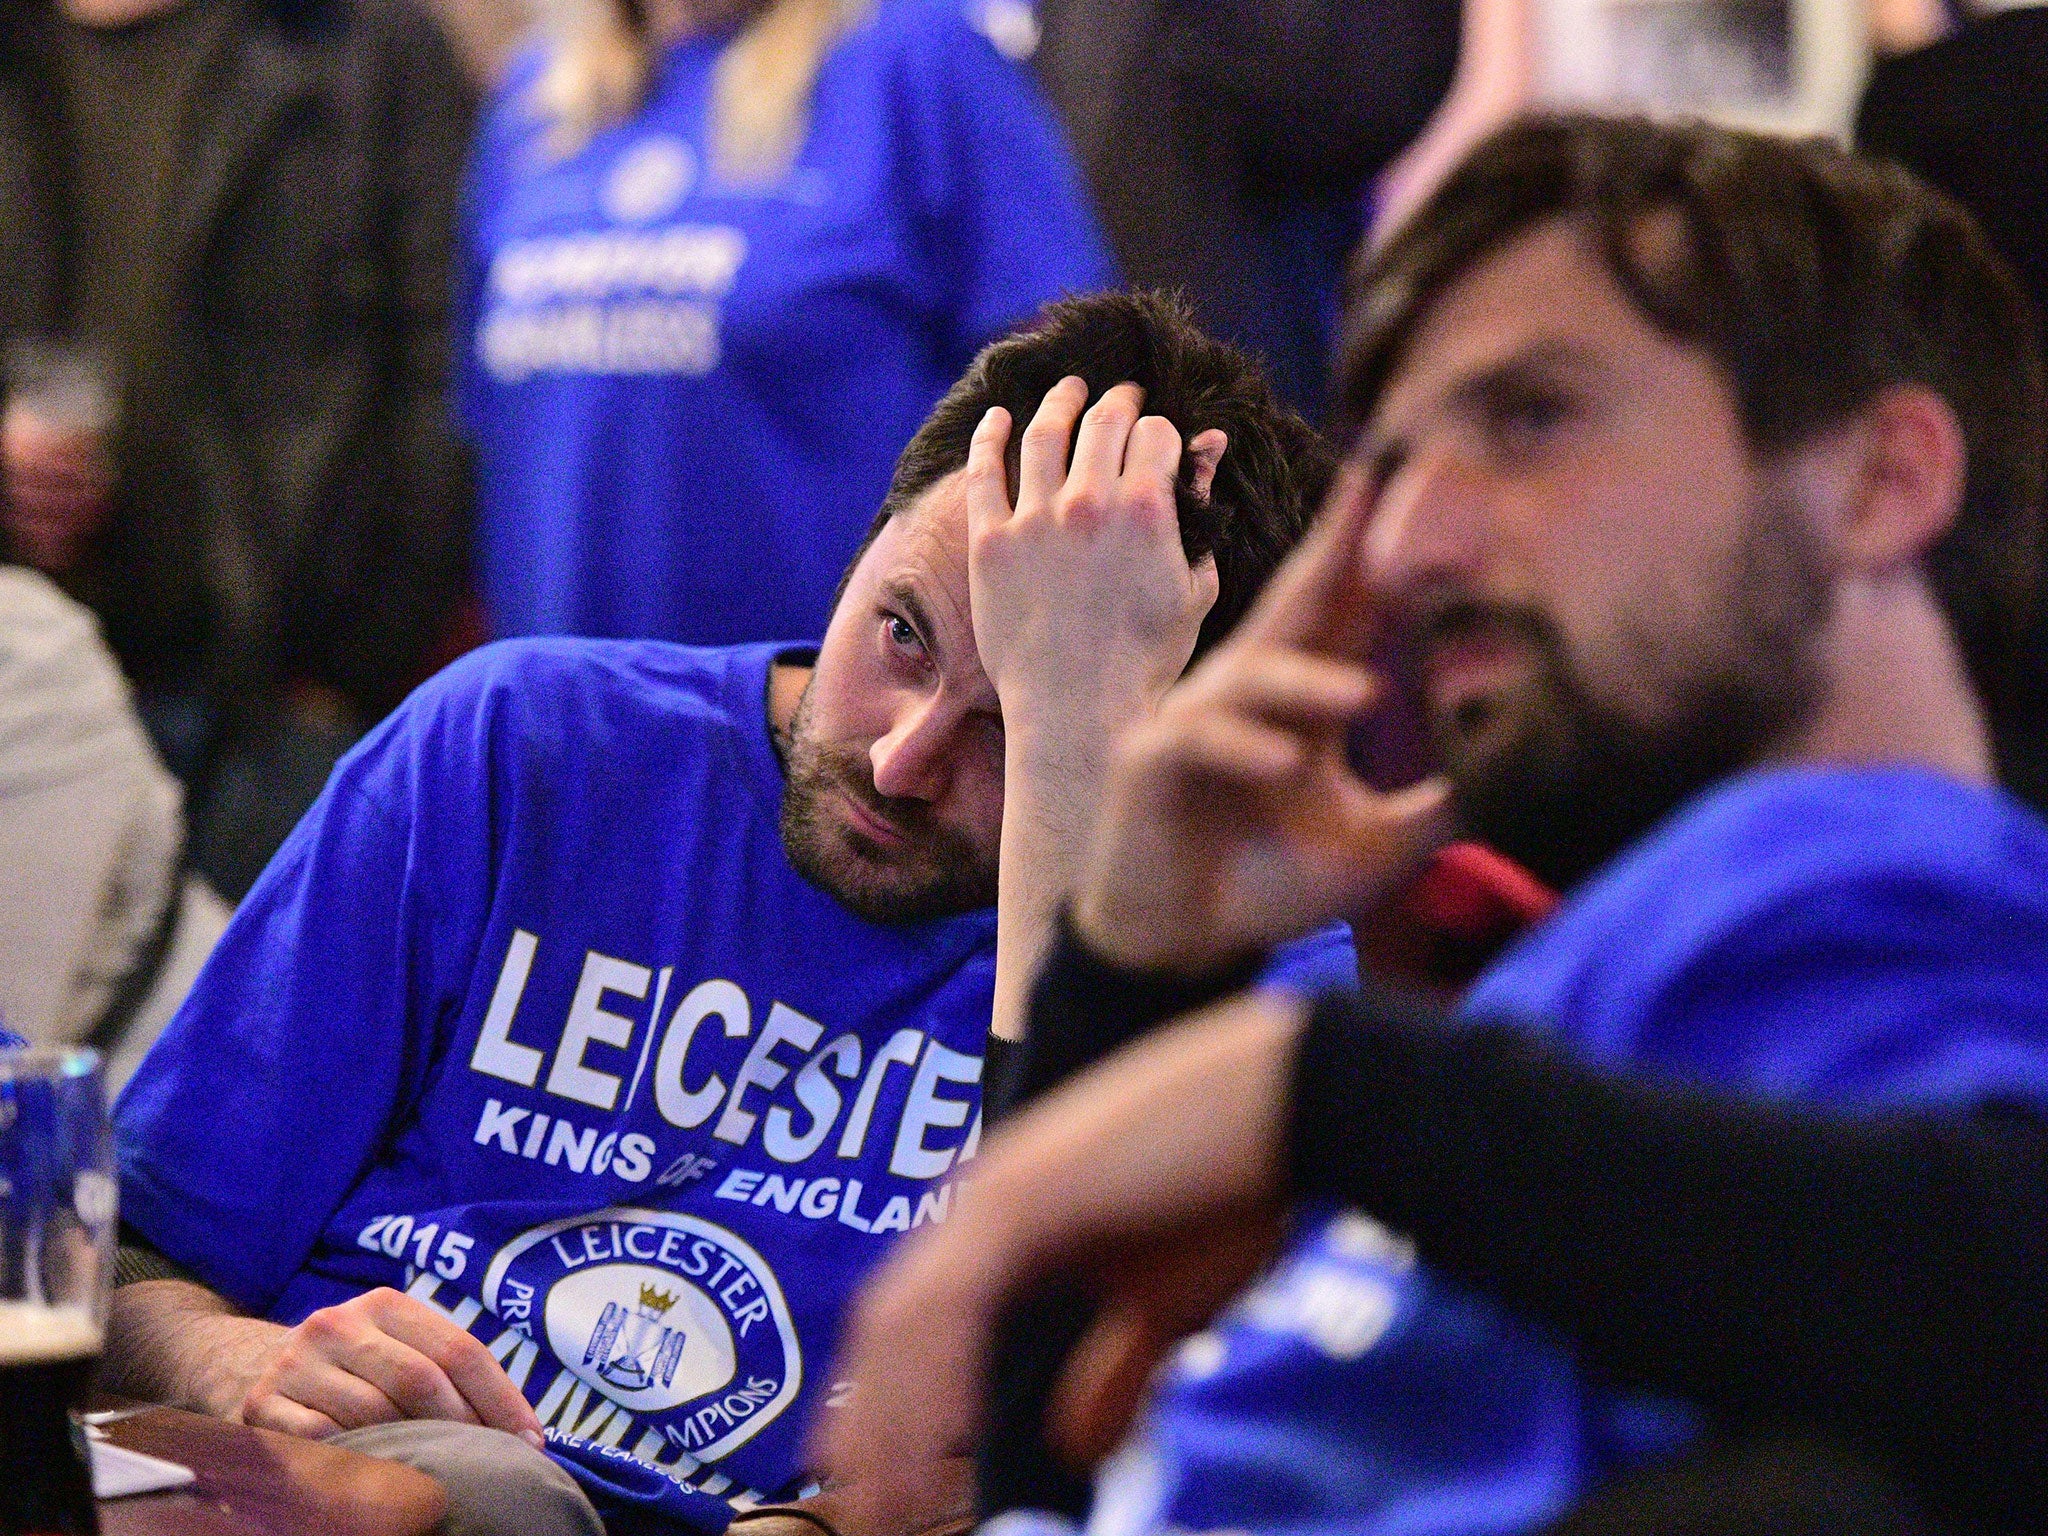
[1868, 939]
[1700, 476]
[687, 381]
[620, 1002]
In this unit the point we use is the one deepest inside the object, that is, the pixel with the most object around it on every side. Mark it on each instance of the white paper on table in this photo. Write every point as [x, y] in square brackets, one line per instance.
[117, 1472]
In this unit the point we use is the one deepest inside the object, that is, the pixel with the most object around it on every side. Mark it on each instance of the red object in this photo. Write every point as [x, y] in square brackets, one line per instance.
[1470, 891]
[1468, 905]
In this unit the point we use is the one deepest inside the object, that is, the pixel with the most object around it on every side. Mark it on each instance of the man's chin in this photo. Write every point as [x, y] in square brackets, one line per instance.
[867, 881]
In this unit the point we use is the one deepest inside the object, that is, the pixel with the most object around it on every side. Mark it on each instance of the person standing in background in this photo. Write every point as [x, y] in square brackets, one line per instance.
[1968, 112]
[723, 257]
[227, 228]
[1230, 145]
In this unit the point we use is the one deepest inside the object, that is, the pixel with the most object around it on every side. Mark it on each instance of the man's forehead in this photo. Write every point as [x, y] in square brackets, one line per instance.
[1545, 293]
[933, 528]
[920, 556]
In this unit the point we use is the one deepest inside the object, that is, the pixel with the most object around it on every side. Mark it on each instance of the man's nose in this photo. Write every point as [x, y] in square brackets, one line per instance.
[913, 760]
[1431, 523]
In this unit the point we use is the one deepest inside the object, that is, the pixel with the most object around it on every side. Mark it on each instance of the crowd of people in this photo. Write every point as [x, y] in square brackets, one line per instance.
[870, 765]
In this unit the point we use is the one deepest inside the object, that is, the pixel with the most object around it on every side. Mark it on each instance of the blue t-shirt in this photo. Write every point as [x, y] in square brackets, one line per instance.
[532, 1018]
[1861, 938]
[688, 398]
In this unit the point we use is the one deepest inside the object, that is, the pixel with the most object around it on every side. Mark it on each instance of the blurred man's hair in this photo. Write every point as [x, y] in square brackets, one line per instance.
[1814, 279]
[1273, 475]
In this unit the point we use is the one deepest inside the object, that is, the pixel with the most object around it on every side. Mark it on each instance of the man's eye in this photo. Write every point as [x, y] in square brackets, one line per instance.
[1525, 418]
[902, 634]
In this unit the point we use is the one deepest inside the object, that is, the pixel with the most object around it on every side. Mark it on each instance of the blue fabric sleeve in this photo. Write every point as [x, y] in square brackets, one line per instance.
[1325, 961]
[309, 1031]
[1881, 988]
[1004, 212]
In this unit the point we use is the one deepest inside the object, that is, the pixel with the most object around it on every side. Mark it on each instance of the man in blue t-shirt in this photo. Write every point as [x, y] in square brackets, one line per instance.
[1698, 481]
[619, 1001]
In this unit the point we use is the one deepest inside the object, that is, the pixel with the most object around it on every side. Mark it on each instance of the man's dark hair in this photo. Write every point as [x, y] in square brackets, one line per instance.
[1813, 278]
[1274, 473]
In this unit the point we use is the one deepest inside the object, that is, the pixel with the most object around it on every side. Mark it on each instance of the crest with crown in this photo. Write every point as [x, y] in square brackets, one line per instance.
[655, 1302]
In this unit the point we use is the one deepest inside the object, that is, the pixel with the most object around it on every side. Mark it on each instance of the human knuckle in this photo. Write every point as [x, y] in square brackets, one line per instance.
[416, 1380]
[327, 1326]
[457, 1352]
[1084, 503]
[1154, 503]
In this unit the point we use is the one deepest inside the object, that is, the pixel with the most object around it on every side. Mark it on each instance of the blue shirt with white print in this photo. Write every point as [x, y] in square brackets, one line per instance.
[688, 395]
[1862, 938]
[532, 1019]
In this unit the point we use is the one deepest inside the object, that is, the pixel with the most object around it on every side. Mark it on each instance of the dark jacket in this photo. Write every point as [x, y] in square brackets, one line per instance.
[294, 500]
[1970, 115]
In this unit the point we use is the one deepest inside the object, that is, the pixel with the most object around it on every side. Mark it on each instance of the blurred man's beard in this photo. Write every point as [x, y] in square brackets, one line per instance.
[935, 873]
[1562, 783]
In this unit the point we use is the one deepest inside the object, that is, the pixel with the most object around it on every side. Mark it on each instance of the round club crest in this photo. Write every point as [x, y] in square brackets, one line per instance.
[666, 1314]
[649, 179]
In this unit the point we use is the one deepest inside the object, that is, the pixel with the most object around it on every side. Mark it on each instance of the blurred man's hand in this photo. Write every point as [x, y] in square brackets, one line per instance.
[1234, 820]
[1156, 1179]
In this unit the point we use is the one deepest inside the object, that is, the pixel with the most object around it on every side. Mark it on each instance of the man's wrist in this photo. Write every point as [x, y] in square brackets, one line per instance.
[1078, 705]
[1123, 932]
[236, 1352]
[171, 1341]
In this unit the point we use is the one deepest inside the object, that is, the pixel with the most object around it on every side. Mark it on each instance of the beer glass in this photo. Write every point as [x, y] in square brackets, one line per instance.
[57, 1217]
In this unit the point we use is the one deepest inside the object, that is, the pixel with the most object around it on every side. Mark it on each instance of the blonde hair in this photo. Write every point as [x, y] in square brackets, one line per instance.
[761, 88]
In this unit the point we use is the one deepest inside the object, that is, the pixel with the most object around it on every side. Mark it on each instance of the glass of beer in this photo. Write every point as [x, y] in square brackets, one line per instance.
[57, 1220]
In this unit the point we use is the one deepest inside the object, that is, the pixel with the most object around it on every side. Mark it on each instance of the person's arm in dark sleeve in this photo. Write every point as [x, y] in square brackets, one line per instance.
[1884, 1278]
[1082, 1009]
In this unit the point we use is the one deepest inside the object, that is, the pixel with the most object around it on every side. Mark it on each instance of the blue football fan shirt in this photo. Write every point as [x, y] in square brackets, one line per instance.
[1864, 938]
[687, 398]
[532, 1019]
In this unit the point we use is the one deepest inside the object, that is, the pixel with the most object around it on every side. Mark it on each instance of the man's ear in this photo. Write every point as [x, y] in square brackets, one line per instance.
[1205, 452]
[1912, 472]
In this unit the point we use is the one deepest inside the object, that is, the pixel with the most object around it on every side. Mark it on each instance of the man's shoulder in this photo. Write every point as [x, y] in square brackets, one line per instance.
[1770, 833]
[1793, 891]
[553, 675]
[916, 37]
[623, 702]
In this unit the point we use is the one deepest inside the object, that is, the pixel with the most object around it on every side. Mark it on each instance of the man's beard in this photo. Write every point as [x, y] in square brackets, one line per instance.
[936, 873]
[1562, 783]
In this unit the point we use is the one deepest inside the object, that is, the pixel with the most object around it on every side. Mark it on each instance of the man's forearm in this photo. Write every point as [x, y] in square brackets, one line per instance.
[1052, 789]
[171, 1341]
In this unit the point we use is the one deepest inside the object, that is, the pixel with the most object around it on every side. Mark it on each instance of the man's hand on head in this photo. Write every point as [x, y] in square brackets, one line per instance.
[1233, 820]
[377, 1359]
[1085, 606]
[1085, 612]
